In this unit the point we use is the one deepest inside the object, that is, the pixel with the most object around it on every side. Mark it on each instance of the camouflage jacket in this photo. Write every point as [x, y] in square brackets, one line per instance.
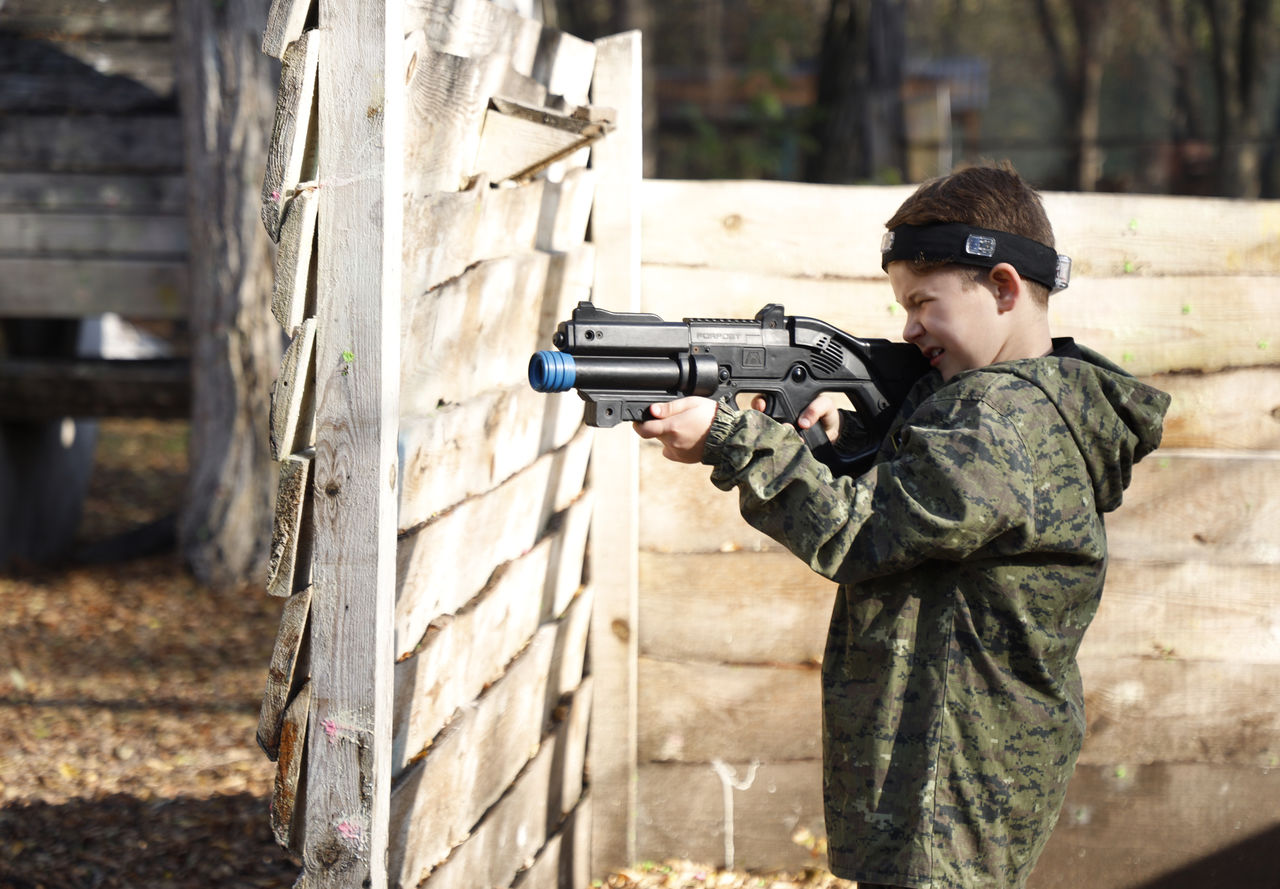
[970, 560]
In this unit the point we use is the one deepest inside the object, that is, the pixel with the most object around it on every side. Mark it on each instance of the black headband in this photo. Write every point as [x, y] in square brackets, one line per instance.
[970, 245]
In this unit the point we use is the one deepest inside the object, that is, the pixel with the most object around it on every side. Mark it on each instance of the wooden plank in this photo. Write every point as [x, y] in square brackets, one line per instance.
[92, 143]
[515, 829]
[1222, 508]
[510, 519]
[79, 288]
[463, 450]
[293, 395]
[519, 141]
[447, 233]
[90, 192]
[359, 156]
[65, 235]
[1215, 825]
[289, 566]
[293, 293]
[476, 333]
[287, 796]
[282, 676]
[476, 29]
[1147, 325]
[76, 76]
[1167, 708]
[45, 389]
[436, 803]
[720, 618]
[688, 811]
[707, 520]
[1231, 410]
[291, 151]
[565, 64]
[566, 209]
[697, 712]
[802, 230]
[286, 21]
[150, 18]
[565, 861]
[466, 653]
[619, 166]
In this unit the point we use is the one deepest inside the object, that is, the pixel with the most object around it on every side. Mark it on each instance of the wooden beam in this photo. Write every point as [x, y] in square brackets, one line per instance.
[163, 194]
[619, 166]
[44, 389]
[291, 151]
[63, 235]
[292, 538]
[293, 395]
[293, 294]
[359, 156]
[93, 143]
[80, 288]
[519, 141]
[84, 18]
[282, 671]
[286, 21]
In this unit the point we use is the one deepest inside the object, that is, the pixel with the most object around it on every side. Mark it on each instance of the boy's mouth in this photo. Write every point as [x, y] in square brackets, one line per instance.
[933, 355]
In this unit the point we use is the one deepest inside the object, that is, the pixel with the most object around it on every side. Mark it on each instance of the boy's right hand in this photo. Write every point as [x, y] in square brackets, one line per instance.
[821, 410]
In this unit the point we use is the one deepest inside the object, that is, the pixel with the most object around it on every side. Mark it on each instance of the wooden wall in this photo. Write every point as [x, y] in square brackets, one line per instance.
[443, 742]
[1180, 665]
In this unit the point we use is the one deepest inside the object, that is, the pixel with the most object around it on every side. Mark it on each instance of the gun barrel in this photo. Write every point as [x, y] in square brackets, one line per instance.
[551, 371]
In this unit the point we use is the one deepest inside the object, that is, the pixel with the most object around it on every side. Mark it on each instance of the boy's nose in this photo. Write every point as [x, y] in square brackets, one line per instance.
[912, 331]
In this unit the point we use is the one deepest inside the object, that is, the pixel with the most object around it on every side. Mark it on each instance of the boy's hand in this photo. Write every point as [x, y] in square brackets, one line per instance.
[681, 425]
[821, 410]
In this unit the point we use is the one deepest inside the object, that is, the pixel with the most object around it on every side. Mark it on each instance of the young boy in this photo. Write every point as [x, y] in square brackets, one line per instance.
[970, 557]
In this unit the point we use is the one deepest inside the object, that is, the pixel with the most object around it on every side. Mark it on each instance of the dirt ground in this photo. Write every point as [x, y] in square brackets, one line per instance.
[129, 702]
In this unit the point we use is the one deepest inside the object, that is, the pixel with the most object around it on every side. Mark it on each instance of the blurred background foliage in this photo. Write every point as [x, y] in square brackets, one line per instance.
[1154, 96]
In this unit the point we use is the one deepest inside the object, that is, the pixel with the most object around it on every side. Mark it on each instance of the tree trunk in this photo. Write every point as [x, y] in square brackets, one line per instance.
[227, 96]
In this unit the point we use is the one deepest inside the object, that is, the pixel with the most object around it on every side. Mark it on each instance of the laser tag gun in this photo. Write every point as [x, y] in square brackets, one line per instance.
[621, 363]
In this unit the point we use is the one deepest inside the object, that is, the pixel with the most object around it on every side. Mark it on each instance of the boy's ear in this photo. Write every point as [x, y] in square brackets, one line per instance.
[1009, 286]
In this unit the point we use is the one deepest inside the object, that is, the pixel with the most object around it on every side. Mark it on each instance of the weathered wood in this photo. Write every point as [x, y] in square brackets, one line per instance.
[359, 156]
[293, 395]
[286, 21]
[718, 619]
[64, 235]
[92, 143]
[565, 65]
[90, 192]
[1214, 825]
[477, 332]
[1233, 410]
[281, 672]
[111, 76]
[289, 568]
[80, 288]
[619, 165]
[45, 389]
[697, 712]
[436, 803]
[510, 519]
[476, 29]
[151, 18]
[771, 824]
[291, 151]
[565, 861]
[293, 295]
[566, 209]
[1168, 708]
[448, 232]
[517, 827]
[465, 449]
[518, 141]
[463, 654]
[288, 796]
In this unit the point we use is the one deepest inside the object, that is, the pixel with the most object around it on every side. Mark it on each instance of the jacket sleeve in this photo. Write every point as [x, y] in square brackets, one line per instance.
[957, 480]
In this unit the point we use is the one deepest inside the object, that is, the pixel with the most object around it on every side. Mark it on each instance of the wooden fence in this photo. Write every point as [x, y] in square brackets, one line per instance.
[428, 701]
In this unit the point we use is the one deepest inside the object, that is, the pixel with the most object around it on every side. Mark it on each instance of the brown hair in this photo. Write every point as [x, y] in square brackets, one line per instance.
[994, 197]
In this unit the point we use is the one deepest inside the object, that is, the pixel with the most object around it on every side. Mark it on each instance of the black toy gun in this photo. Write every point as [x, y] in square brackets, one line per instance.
[621, 363]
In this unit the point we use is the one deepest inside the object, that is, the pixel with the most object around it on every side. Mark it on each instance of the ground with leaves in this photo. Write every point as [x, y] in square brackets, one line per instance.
[128, 705]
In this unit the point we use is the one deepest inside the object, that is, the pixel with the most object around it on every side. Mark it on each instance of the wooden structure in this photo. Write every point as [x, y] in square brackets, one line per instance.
[1178, 771]
[91, 222]
[427, 702]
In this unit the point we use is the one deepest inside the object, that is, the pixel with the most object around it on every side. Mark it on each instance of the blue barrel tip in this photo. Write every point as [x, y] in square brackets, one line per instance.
[552, 371]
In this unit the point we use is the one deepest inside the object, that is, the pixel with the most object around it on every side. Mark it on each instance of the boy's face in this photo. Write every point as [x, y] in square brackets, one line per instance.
[953, 316]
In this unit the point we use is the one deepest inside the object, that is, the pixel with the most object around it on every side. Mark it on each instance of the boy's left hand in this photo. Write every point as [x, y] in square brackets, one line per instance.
[681, 425]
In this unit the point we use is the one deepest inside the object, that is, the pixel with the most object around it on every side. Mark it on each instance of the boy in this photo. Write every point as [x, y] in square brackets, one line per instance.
[970, 557]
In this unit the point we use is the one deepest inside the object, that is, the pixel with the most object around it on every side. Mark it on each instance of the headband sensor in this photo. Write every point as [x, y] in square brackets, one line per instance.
[983, 247]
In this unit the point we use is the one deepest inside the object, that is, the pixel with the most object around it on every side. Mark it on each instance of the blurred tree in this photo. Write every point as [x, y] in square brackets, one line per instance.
[227, 95]
[859, 130]
[1240, 39]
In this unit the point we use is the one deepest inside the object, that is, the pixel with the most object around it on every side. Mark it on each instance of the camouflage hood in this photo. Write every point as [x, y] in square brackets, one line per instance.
[1115, 419]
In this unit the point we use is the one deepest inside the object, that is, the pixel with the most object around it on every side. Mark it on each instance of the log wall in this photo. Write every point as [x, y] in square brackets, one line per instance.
[429, 698]
[1181, 660]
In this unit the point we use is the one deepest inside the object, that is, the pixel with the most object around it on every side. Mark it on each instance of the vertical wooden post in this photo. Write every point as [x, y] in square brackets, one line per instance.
[359, 157]
[614, 557]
